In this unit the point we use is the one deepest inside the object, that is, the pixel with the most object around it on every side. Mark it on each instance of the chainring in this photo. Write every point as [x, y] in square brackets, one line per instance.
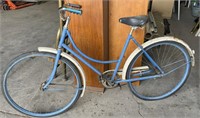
[106, 80]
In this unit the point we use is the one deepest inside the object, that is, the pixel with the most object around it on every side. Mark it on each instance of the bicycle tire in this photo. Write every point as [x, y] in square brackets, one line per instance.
[159, 88]
[23, 91]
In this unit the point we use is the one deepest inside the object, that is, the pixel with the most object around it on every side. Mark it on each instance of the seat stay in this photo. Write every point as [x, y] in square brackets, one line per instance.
[148, 56]
[121, 57]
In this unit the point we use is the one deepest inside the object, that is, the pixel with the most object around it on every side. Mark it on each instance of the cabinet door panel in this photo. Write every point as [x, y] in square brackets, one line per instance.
[90, 33]
[118, 32]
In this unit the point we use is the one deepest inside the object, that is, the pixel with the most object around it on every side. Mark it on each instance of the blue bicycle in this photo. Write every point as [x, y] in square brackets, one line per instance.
[34, 82]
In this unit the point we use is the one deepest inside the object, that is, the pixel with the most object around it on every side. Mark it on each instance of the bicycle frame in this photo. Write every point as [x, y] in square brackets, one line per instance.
[61, 45]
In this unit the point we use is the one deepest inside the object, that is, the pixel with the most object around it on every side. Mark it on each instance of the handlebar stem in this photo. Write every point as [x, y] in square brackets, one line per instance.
[67, 22]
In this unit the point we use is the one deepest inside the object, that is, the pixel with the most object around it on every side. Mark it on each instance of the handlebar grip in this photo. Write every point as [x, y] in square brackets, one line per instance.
[76, 11]
[71, 10]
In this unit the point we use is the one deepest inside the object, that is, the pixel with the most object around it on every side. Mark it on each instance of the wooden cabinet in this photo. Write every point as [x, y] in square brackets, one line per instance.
[90, 32]
[99, 34]
[118, 32]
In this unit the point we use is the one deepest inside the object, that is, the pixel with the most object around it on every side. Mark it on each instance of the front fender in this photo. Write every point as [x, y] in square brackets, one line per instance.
[70, 58]
[159, 39]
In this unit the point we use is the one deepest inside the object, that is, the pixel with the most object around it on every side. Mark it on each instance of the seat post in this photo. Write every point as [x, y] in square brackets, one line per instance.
[133, 29]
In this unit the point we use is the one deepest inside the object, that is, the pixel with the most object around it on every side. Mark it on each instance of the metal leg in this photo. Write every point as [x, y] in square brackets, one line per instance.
[179, 9]
[189, 2]
[195, 28]
[186, 1]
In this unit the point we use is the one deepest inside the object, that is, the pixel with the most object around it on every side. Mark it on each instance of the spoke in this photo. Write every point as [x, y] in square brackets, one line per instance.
[165, 56]
[32, 98]
[152, 54]
[36, 102]
[147, 62]
[178, 56]
[17, 88]
[59, 89]
[21, 99]
[158, 55]
[172, 63]
[43, 100]
[177, 68]
[52, 84]
[172, 54]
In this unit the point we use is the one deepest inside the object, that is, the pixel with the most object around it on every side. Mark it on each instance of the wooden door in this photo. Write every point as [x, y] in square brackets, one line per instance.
[90, 32]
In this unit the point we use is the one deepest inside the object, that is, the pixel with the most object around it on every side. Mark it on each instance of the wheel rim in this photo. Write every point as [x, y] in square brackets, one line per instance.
[37, 106]
[164, 87]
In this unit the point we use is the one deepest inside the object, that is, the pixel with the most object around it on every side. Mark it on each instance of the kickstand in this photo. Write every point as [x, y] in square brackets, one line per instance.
[120, 86]
[104, 90]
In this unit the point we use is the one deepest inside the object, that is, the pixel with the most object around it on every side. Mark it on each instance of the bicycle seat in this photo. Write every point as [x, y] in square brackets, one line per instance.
[136, 21]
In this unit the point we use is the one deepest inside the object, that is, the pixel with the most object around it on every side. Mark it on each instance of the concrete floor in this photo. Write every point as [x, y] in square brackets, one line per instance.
[26, 29]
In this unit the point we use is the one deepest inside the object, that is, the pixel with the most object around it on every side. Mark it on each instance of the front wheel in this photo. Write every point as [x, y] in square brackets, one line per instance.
[23, 79]
[172, 58]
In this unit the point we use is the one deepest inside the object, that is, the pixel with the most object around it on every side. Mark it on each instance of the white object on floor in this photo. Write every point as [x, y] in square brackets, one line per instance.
[198, 33]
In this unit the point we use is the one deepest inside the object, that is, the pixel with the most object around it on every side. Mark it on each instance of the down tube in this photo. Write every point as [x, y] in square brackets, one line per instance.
[81, 59]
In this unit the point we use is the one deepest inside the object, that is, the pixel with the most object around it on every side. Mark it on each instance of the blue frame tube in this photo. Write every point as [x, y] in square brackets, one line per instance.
[81, 59]
[61, 44]
[56, 60]
[139, 79]
[121, 57]
[84, 55]
[147, 55]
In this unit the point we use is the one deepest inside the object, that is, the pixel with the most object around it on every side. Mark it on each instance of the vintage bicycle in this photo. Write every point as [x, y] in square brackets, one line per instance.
[33, 83]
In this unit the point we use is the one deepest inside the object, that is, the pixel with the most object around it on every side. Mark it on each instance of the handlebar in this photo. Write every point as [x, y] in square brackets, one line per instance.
[72, 8]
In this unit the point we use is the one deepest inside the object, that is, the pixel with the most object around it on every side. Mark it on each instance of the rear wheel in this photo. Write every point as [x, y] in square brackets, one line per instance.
[24, 77]
[173, 59]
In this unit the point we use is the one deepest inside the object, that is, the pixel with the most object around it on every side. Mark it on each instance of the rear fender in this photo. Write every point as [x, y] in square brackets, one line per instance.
[167, 38]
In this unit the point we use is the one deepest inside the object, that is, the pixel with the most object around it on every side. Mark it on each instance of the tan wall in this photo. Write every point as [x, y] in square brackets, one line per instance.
[164, 7]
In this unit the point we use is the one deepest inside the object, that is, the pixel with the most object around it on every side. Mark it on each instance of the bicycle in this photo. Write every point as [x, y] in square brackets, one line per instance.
[165, 64]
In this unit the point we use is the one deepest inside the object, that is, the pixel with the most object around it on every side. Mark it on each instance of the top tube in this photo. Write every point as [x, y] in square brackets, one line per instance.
[87, 57]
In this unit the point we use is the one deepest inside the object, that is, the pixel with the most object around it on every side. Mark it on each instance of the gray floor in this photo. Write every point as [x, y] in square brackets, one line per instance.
[26, 29]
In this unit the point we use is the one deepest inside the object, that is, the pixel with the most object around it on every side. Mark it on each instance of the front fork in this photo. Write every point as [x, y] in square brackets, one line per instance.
[58, 55]
[53, 73]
